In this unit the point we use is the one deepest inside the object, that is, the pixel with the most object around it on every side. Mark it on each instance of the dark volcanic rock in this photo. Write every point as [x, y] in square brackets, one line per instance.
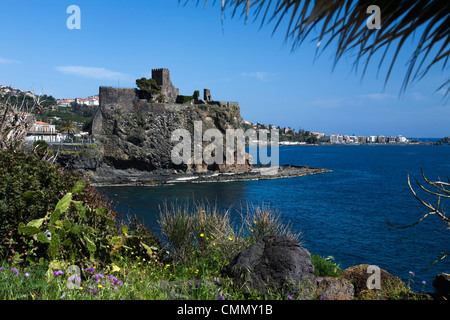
[273, 263]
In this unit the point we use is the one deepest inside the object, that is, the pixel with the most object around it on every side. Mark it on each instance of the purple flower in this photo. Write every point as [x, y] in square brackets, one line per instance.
[412, 273]
[27, 274]
[97, 276]
[323, 298]
[57, 273]
[424, 282]
[1, 269]
[15, 271]
[62, 297]
[289, 297]
[91, 270]
[221, 297]
[115, 288]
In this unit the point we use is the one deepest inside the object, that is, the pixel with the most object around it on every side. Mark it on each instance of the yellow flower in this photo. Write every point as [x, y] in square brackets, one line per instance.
[214, 243]
[99, 285]
[231, 239]
[201, 234]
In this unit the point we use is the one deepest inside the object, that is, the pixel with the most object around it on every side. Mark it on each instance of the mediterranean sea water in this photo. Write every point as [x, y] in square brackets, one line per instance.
[343, 213]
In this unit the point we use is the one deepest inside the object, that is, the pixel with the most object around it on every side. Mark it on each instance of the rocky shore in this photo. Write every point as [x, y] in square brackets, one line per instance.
[108, 176]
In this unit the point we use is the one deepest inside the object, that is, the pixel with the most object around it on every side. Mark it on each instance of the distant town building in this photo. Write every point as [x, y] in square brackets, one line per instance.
[43, 131]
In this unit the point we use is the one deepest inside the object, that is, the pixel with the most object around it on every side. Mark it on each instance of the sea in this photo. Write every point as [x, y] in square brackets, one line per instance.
[342, 214]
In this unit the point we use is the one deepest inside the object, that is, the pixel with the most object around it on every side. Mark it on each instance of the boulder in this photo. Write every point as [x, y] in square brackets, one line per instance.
[329, 288]
[442, 285]
[275, 263]
[358, 276]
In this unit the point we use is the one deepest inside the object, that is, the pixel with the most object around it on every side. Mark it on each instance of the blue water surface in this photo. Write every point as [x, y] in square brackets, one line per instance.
[343, 213]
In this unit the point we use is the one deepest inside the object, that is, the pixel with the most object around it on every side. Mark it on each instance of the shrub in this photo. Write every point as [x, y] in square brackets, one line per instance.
[29, 188]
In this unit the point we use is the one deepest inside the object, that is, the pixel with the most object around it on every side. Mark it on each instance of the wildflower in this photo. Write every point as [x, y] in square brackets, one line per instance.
[115, 288]
[15, 271]
[62, 297]
[412, 273]
[57, 273]
[231, 239]
[214, 244]
[227, 294]
[97, 276]
[221, 297]
[202, 235]
[323, 298]
[289, 297]
[91, 270]
[100, 286]
[1, 269]
[424, 282]
[27, 274]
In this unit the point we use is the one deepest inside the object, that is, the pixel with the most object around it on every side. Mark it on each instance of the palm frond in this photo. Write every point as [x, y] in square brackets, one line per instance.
[345, 21]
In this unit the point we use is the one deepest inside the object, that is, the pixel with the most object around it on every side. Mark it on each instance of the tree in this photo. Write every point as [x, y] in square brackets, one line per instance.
[196, 95]
[69, 127]
[148, 87]
[345, 21]
[440, 190]
[16, 119]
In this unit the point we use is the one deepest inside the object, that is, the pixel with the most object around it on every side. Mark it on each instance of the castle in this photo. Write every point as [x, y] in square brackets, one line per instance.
[162, 78]
[128, 100]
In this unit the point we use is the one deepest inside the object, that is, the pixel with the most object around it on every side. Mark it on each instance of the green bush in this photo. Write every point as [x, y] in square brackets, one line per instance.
[29, 188]
[184, 99]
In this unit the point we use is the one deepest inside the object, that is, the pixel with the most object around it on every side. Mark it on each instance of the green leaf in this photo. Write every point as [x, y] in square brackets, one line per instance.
[28, 194]
[78, 205]
[54, 216]
[102, 211]
[64, 203]
[36, 223]
[148, 248]
[42, 238]
[116, 240]
[90, 245]
[79, 187]
[29, 230]
[110, 222]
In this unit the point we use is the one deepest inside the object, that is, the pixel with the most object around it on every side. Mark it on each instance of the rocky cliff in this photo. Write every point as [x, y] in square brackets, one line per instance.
[136, 134]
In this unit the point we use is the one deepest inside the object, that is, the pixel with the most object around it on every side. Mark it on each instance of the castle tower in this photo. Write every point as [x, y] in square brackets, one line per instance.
[162, 78]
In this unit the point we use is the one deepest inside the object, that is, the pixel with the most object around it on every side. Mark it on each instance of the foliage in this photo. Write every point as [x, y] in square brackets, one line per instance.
[325, 267]
[196, 95]
[29, 188]
[148, 88]
[346, 23]
[69, 127]
[184, 99]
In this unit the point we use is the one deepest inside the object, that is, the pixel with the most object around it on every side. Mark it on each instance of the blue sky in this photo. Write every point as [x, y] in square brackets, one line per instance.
[120, 41]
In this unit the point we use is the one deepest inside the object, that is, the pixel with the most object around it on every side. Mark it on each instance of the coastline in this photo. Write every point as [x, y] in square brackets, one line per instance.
[109, 177]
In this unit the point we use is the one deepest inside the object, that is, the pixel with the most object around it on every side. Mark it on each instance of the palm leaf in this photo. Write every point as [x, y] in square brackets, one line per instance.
[344, 21]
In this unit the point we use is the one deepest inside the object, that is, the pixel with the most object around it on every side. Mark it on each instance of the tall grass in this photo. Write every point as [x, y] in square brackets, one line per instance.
[206, 231]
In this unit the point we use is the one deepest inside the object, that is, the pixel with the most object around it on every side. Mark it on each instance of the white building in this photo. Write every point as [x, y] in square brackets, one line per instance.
[336, 138]
[43, 131]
